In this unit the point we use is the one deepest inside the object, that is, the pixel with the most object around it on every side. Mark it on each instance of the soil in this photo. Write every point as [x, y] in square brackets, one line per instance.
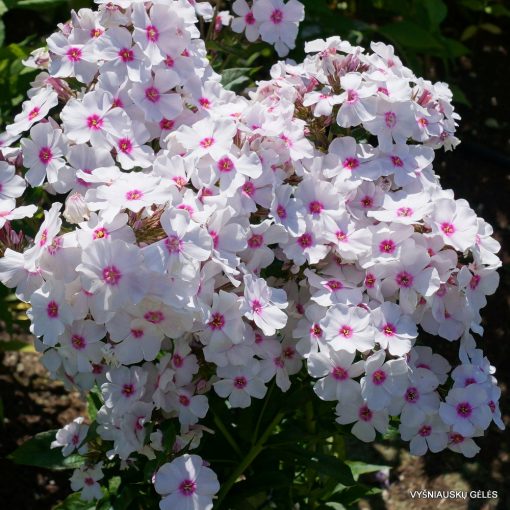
[32, 403]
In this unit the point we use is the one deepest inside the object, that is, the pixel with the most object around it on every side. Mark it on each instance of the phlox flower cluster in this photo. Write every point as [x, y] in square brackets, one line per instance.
[201, 241]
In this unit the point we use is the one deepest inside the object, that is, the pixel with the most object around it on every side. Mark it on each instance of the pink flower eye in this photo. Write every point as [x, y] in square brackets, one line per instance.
[111, 275]
[187, 488]
[126, 55]
[316, 331]
[334, 285]
[387, 246]
[404, 279]
[74, 54]
[78, 342]
[240, 382]
[33, 113]
[367, 201]
[184, 400]
[397, 161]
[281, 212]
[305, 241]
[345, 331]
[256, 306]
[389, 329]
[134, 194]
[128, 390]
[255, 241]
[447, 228]
[204, 103]
[207, 142]
[166, 124]
[464, 409]
[404, 212]
[94, 122]
[339, 373]
[370, 280]
[248, 188]
[44, 238]
[277, 16]
[173, 244]
[456, 438]
[425, 431]
[152, 94]
[365, 414]
[351, 163]
[152, 33]
[137, 333]
[154, 316]
[390, 119]
[100, 233]
[315, 207]
[45, 155]
[378, 377]
[225, 165]
[217, 321]
[52, 309]
[125, 145]
[412, 395]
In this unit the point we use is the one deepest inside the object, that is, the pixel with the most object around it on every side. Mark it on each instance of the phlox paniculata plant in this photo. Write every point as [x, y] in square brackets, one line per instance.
[199, 241]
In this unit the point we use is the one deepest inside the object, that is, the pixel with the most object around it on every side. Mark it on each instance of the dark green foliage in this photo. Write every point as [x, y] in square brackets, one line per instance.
[37, 452]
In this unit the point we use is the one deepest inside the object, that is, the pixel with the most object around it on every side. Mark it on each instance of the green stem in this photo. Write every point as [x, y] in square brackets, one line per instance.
[259, 421]
[210, 32]
[250, 457]
[228, 436]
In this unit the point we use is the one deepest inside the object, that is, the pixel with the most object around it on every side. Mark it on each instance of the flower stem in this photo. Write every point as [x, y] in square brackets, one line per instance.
[259, 421]
[228, 436]
[250, 457]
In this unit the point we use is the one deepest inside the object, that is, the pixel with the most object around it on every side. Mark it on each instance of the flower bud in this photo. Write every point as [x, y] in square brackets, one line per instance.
[76, 209]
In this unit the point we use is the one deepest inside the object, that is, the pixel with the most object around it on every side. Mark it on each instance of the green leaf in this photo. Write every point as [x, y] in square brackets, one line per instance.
[3, 8]
[38, 452]
[351, 495]
[498, 10]
[474, 5]
[359, 468]
[331, 505]
[231, 79]
[324, 464]
[437, 11]
[74, 502]
[16, 345]
[492, 28]
[410, 35]
[2, 32]
[124, 499]
[37, 4]
[469, 32]
[459, 96]
[94, 403]
[18, 51]
[454, 49]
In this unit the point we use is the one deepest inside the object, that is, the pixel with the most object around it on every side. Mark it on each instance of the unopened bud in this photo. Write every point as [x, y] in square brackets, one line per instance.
[76, 209]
